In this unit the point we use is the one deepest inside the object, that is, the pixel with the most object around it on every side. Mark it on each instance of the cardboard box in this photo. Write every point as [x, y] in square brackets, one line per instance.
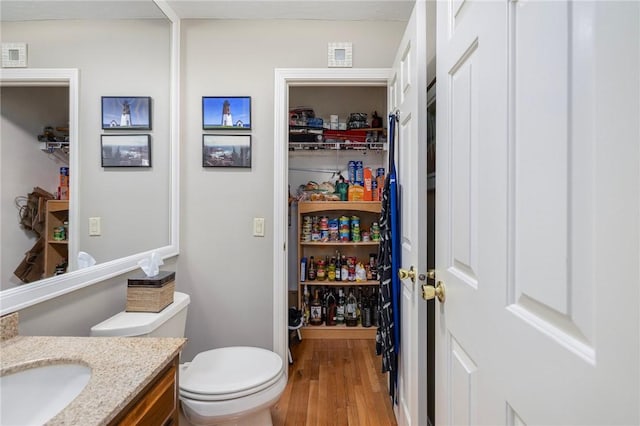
[150, 294]
[368, 194]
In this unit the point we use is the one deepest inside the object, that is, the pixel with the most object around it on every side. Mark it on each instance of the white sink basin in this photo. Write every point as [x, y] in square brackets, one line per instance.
[35, 395]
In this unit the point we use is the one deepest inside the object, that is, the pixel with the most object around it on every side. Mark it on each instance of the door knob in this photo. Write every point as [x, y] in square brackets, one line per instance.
[404, 274]
[430, 292]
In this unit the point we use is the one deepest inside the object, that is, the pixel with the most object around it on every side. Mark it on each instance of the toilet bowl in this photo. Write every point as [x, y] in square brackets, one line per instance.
[227, 386]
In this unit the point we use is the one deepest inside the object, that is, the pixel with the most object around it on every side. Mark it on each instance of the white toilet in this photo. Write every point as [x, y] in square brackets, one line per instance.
[227, 386]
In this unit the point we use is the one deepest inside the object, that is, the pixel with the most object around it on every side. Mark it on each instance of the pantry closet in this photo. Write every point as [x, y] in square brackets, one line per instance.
[321, 148]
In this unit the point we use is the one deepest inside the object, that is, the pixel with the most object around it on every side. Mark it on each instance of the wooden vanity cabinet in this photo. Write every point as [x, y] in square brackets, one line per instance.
[157, 404]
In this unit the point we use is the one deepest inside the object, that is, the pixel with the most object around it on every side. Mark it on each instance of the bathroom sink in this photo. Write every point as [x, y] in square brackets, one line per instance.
[35, 395]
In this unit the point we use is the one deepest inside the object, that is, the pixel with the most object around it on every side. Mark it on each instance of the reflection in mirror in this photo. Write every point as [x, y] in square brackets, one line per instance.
[111, 57]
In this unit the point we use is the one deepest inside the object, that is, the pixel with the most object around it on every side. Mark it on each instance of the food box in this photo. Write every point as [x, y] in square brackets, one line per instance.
[150, 294]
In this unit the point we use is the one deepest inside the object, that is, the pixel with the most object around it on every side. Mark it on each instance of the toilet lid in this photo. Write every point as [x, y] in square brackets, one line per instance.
[233, 370]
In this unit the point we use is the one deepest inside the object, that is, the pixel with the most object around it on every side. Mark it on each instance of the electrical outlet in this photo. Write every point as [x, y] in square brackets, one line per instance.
[258, 226]
[94, 226]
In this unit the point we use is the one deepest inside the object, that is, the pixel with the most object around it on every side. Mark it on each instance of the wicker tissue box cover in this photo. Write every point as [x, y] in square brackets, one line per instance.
[150, 294]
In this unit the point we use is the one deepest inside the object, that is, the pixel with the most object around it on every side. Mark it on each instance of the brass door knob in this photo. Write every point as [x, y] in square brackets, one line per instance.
[404, 274]
[430, 292]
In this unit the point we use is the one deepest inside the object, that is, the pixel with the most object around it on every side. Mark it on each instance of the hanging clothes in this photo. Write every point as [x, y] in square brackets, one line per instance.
[388, 333]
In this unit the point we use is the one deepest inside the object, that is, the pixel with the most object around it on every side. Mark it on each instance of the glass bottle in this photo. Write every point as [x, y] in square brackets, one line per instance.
[340, 308]
[331, 270]
[305, 306]
[321, 271]
[311, 274]
[366, 310]
[331, 309]
[316, 310]
[338, 267]
[351, 317]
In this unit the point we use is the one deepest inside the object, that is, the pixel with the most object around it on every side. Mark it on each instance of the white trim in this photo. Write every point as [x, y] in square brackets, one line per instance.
[285, 77]
[174, 121]
[17, 298]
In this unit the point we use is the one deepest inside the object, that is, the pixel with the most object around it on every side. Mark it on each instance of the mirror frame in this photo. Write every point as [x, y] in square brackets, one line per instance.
[24, 296]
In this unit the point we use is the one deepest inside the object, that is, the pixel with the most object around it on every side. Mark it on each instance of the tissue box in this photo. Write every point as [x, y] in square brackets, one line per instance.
[150, 294]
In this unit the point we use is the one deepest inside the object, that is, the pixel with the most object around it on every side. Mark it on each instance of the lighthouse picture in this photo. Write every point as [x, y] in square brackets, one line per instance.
[126, 113]
[125, 119]
[226, 112]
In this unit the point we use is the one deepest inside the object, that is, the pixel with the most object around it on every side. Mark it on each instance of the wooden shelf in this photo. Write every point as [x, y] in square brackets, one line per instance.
[338, 283]
[339, 243]
[55, 251]
[338, 332]
[337, 206]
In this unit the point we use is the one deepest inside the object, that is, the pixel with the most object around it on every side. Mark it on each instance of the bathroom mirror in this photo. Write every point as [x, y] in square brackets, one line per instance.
[89, 58]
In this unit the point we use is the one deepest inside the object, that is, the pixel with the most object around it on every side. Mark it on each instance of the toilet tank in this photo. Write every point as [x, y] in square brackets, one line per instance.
[170, 322]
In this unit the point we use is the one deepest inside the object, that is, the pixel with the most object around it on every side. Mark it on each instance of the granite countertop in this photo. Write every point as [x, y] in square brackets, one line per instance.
[121, 368]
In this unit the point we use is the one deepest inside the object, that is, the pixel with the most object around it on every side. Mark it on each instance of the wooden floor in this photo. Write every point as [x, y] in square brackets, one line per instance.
[334, 382]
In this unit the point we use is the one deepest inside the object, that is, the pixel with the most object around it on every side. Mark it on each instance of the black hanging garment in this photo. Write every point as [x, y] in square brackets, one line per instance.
[388, 334]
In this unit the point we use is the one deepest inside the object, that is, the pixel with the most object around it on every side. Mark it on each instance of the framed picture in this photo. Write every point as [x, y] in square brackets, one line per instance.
[226, 112]
[126, 113]
[226, 151]
[126, 150]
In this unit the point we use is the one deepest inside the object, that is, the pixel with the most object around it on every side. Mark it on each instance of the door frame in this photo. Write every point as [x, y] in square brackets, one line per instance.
[284, 78]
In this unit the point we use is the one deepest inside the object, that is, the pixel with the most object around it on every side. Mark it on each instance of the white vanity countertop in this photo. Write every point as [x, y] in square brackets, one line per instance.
[121, 368]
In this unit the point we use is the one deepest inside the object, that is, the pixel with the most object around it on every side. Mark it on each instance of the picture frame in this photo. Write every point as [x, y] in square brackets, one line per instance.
[226, 151]
[126, 112]
[126, 150]
[226, 113]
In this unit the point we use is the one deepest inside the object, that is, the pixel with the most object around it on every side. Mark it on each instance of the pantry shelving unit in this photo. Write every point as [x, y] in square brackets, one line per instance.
[55, 251]
[368, 212]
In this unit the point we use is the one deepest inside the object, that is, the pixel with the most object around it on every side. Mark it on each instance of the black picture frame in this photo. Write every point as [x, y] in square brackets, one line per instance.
[226, 151]
[126, 112]
[125, 150]
[226, 112]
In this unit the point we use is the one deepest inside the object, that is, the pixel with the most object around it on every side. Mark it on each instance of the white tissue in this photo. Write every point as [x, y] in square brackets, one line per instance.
[85, 260]
[151, 265]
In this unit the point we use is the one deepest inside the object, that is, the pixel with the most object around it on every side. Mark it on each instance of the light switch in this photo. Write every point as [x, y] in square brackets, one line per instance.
[94, 226]
[258, 226]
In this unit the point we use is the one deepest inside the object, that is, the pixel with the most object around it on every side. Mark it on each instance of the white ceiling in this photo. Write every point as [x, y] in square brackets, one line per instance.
[353, 10]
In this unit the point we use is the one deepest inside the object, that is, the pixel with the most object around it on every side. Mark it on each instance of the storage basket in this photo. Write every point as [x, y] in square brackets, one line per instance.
[150, 294]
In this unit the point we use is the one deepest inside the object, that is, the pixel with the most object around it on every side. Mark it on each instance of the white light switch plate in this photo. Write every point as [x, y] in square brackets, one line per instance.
[258, 226]
[94, 226]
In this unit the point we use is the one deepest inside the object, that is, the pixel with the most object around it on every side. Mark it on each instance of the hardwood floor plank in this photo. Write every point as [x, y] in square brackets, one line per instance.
[312, 404]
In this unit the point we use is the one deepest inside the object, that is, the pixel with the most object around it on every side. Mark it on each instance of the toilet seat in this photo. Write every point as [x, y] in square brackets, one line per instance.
[229, 373]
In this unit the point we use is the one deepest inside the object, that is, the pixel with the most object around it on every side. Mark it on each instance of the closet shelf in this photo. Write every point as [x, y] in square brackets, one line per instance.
[337, 146]
[338, 332]
[60, 150]
[339, 283]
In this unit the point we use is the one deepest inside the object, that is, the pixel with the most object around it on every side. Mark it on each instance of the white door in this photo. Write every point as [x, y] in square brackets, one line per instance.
[407, 94]
[538, 212]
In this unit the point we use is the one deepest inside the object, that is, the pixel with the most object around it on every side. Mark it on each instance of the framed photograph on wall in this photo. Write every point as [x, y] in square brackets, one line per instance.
[226, 151]
[126, 150]
[226, 112]
[126, 112]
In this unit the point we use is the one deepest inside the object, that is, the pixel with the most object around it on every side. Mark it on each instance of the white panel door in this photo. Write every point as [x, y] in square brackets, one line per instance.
[407, 94]
[538, 211]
